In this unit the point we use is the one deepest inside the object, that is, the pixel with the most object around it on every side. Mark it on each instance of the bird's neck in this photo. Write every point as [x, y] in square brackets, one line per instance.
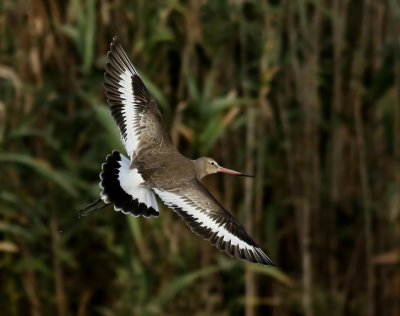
[198, 169]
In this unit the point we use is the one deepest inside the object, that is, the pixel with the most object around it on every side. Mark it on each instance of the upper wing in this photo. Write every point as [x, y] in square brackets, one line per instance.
[132, 107]
[207, 218]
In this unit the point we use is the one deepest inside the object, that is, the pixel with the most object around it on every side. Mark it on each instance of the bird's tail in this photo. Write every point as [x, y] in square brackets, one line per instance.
[122, 187]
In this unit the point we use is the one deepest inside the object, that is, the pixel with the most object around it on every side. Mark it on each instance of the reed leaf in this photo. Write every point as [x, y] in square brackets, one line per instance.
[61, 178]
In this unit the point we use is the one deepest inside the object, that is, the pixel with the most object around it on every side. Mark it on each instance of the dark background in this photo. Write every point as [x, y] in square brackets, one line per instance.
[304, 94]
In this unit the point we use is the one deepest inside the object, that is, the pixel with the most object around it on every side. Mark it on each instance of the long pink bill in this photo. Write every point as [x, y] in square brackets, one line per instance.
[225, 170]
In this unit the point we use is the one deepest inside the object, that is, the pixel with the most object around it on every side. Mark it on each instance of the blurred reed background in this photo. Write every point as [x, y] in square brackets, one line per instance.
[304, 94]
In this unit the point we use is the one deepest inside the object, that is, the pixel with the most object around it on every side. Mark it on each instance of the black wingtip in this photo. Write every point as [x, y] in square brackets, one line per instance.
[270, 263]
[118, 57]
[115, 41]
[265, 260]
[114, 45]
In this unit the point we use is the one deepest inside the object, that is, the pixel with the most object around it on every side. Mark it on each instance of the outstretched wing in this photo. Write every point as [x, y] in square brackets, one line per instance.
[131, 105]
[207, 218]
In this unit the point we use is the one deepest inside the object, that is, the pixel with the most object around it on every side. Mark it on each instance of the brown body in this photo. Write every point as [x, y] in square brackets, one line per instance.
[167, 171]
[157, 159]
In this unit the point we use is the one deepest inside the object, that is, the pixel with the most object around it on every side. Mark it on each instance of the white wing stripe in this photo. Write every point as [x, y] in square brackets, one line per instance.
[130, 140]
[173, 200]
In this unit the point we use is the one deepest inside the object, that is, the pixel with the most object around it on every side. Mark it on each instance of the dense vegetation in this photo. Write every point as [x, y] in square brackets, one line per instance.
[304, 94]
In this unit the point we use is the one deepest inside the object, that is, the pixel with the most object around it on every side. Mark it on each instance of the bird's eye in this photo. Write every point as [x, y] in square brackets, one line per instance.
[212, 163]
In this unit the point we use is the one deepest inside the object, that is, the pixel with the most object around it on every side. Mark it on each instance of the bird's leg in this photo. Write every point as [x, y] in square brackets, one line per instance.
[91, 208]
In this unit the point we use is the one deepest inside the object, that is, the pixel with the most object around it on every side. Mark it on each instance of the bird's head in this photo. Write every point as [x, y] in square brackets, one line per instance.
[205, 166]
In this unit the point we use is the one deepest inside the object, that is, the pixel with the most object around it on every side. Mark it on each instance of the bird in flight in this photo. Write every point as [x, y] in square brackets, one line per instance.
[155, 167]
